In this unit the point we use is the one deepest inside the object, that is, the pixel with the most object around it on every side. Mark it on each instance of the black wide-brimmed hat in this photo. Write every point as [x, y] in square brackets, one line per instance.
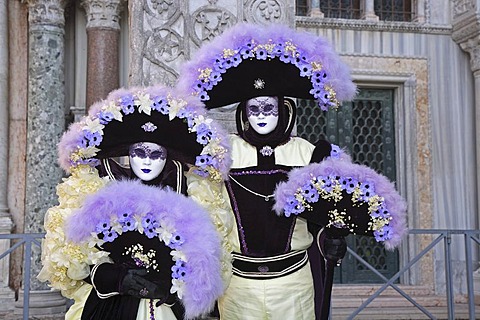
[251, 60]
[153, 114]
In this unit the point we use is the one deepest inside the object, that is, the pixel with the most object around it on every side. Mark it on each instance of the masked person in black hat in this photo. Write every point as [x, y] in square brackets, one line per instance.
[272, 276]
[126, 242]
[118, 288]
[258, 66]
[276, 224]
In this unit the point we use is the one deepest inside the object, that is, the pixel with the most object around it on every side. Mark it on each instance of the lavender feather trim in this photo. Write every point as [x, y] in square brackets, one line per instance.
[392, 201]
[200, 240]
[315, 52]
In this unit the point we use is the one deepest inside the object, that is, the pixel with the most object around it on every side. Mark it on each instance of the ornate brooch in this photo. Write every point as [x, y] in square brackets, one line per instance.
[266, 151]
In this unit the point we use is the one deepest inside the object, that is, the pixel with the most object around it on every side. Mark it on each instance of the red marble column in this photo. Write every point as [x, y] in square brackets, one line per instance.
[103, 33]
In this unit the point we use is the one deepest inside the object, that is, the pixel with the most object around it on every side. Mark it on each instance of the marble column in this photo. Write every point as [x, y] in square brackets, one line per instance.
[103, 32]
[6, 223]
[369, 11]
[420, 12]
[314, 9]
[45, 125]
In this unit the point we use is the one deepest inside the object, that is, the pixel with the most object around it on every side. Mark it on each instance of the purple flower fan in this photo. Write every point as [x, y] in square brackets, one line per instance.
[349, 194]
[194, 234]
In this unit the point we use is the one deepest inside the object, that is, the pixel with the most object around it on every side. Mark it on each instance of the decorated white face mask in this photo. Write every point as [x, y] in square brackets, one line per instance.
[262, 113]
[147, 159]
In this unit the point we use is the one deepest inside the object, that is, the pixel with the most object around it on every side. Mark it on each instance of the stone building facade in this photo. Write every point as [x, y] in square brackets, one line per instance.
[64, 55]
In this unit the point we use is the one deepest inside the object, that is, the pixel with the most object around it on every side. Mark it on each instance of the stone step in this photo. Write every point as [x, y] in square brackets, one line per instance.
[392, 305]
[356, 290]
[388, 313]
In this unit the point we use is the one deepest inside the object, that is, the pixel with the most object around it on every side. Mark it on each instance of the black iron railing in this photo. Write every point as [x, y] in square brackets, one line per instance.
[442, 236]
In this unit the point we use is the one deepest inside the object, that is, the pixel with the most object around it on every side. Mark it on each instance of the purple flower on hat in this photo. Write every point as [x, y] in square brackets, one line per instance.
[246, 52]
[204, 96]
[127, 104]
[93, 138]
[105, 117]
[286, 57]
[261, 54]
[219, 65]
[215, 77]
[159, 104]
[279, 47]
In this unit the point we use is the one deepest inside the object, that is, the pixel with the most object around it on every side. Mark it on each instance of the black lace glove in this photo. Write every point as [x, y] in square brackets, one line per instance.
[332, 246]
[134, 284]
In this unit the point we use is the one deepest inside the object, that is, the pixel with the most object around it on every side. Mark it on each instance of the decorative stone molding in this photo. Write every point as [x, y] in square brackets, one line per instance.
[46, 12]
[364, 25]
[472, 46]
[461, 7]
[103, 13]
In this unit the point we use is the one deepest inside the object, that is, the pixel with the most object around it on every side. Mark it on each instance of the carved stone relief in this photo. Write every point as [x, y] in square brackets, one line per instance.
[463, 6]
[265, 11]
[209, 21]
[46, 12]
[164, 33]
[103, 13]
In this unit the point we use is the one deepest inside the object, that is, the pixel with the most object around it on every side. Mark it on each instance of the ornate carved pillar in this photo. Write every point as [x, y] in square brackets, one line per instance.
[6, 223]
[466, 32]
[103, 31]
[45, 125]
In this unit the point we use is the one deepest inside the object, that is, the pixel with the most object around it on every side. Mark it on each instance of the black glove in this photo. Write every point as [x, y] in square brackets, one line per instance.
[134, 284]
[333, 247]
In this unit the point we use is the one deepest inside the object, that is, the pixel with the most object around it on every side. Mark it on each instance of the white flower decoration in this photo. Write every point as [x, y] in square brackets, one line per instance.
[144, 103]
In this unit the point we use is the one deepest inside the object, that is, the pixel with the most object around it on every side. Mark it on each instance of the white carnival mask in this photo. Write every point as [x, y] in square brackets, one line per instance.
[147, 159]
[262, 114]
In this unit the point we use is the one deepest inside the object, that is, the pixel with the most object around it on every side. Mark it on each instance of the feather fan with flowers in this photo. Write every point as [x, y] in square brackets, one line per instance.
[346, 197]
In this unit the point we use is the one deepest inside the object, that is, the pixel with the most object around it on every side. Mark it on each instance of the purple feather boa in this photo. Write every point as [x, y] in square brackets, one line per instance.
[314, 47]
[396, 205]
[201, 243]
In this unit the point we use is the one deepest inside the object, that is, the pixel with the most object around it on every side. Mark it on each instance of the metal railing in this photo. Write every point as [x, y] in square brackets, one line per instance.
[444, 236]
